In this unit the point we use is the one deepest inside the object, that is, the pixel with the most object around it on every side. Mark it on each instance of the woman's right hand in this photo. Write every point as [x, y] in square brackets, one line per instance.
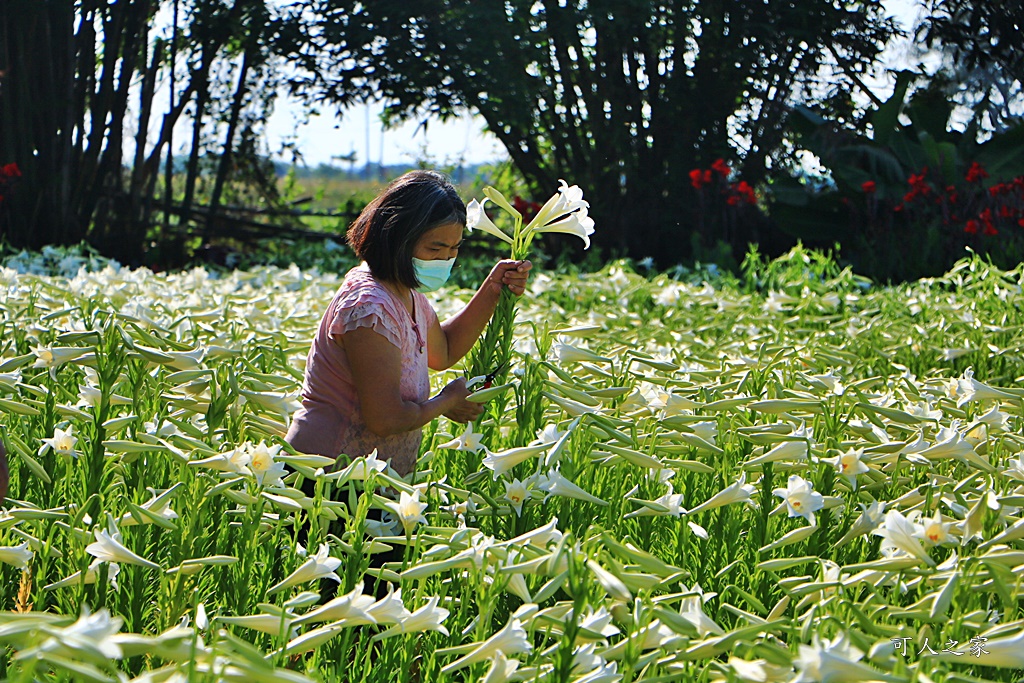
[461, 410]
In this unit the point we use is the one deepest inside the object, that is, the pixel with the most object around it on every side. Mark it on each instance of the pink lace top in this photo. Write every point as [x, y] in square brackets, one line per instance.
[330, 422]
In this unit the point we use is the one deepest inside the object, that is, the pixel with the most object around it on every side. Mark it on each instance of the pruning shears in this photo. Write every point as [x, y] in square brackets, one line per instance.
[486, 380]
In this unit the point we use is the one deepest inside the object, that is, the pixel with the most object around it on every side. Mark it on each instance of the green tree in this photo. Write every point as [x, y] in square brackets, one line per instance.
[624, 98]
[982, 69]
[80, 112]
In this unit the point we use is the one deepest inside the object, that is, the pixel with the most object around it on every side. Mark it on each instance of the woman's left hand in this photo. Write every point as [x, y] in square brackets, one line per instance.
[511, 274]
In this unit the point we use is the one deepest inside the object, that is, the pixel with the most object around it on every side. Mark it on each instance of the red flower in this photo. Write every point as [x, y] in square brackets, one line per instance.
[721, 168]
[699, 178]
[746, 192]
[971, 227]
[11, 171]
[990, 229]
[868, 186]
[976, 173]
[1021, 222]
[732, 200]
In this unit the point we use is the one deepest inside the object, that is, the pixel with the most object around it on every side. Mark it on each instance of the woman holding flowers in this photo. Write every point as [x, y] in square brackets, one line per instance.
[366, 384]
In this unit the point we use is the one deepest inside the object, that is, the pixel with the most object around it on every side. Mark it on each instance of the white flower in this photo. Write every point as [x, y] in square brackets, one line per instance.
[599, 621]
[235, 461]
[409, 510]
[92, 635]
[390, 609]
[62, 442]
[352, 608]
[969, 389]
[738, 492]
[511, 639]
[18, 555]
[555, 484]
[360, 468]
[476, 219]
[501, 669]
[109, 548]
[502, 461]
[265, 468]
[899, 534]
[319, 566]
[426, 618]
[516, 493]
[801, 498]
[934, 531]
[849, 464]
[692, 610]
[92, 575]
[832, 661]
[467, 441]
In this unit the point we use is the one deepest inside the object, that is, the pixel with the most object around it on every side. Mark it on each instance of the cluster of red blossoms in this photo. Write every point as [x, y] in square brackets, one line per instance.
[9, 173]
[736, 193]
[1002, 203]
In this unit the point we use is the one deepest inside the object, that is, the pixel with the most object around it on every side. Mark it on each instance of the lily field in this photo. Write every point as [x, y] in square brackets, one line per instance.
[792, 476]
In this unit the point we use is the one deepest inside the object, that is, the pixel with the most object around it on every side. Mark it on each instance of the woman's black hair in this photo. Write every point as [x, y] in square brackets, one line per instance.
[386, 231]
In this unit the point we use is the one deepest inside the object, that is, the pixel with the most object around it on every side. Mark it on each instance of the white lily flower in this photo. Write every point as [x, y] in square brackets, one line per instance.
[318, 566]
[18, 555]
[53, 357]
[91, 636]
[272, 624]
[599, 621]
[476, 219]
[352, 608]
[691, 609]
[360, 468]
[265, 468]
[969, 389]
[555, 484]
[501, 462]
[801, 498]
[409, 510]
[467, 441]
[849, 464]
[934, 531]
[898, 533]
[92, 575]
[62, 442]
[577, 223]
[870, 518]
[426, 618]
[737, 492]
[516, 493]
[836, 661]
[235, 461]
[501, 669]
[390, 609]
[511, 639]
[109, 548]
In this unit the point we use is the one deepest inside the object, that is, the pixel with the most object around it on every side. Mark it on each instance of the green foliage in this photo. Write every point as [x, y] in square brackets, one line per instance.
[917, 183]
[602, 93]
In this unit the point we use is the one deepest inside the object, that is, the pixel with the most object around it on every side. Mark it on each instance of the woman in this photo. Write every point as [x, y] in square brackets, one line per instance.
[366, 385]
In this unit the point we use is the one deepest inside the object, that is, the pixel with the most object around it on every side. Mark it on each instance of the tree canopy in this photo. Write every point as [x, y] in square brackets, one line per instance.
[624, 98]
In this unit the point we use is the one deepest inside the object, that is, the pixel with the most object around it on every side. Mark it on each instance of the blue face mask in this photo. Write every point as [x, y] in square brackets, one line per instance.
[431, 274]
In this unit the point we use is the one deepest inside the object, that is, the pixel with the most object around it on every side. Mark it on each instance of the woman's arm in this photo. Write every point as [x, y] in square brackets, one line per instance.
[449, 341]
[376, 366]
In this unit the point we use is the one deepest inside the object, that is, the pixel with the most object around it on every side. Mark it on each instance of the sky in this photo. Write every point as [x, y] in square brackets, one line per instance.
[463, 140]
